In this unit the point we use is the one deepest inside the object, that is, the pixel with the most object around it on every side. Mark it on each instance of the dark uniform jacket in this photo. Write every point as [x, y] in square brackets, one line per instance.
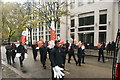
[80, 52]
[43, 51]
[8, 50]
[56, 57]
[21, 49]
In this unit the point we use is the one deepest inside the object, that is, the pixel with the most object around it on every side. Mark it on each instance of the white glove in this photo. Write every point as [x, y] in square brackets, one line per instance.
[58, 72]
[37, 47]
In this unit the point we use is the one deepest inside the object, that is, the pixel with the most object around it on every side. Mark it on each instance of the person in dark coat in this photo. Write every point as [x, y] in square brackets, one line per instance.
[79, 54]
[43, 54]
[108, 48]
[64, 53]
[113, 47]
[13, 51]
[8, 53]
[34, 46]
[71, 53]
[56, 59]
[21, 49]
[67, 45]
[101, 52]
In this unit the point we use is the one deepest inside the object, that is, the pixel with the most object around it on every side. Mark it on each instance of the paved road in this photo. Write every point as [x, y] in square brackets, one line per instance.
[92, 68]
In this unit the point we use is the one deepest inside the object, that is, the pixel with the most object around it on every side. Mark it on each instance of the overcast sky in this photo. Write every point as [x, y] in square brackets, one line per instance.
[19, 1]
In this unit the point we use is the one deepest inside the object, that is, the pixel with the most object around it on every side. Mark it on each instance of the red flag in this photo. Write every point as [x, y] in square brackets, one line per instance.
[52, 31]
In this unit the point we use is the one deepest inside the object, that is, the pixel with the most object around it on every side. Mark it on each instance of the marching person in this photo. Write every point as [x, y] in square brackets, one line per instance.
[57, 62]
[13, 51]
[21, 49]
[83, 53]
[101, 48]
[67, 45]
[64, 52]
[34, 46]
[71, 53]
[43, 54]
[79, 54]
[8, 53]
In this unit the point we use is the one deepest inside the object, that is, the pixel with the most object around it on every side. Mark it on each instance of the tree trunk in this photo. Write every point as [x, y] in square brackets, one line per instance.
[9, 39]
[30, 37]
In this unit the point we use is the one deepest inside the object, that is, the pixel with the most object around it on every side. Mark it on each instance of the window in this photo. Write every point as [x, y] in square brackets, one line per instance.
[103, 19]
[72, 4]
[80, 2]
[86, 21]
[86, 29]
[72, 23]
[102, 37]
[102, 28]
[72, 30]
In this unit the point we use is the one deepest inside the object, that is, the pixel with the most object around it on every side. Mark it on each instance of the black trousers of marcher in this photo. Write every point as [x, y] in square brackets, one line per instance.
[101, 53]
[8, 56]
[21, 58]
[56, 78]
[83, 56]
[70, 55]
[79, 59]
[34, 54]
[13, 55]
[43, 59]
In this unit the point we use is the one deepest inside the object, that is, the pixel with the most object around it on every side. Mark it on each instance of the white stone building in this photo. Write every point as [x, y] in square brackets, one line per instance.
[90, 21]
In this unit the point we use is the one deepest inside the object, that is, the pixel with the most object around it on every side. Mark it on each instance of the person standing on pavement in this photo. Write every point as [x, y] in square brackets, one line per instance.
[108, 48]
[43, 54]
[21, 49]
[101, 52]
[8, 53]
[34, 46]
[13, 51]
[71, 53]
[57, 62]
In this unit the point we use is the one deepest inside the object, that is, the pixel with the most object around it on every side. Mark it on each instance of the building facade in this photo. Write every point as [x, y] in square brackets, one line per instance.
[90, 21]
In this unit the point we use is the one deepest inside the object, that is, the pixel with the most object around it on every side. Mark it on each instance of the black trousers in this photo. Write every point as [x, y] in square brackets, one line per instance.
[13, 55]
[56, 78]
[101, 53]
[43, 59]
[79, 59]
[70, 55]
[34, 54]
[8, 56]
[21, 58]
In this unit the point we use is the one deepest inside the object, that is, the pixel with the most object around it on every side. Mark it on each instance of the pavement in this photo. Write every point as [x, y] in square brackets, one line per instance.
[33, 69]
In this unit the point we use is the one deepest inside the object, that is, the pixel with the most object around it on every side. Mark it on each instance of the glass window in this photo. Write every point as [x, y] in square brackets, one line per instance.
[102, 28]
[72, 23]
[86, 29]
[72, 4]
[86, 21]
[72, 30]
[80, 2]
[102, 37]
[103, 19]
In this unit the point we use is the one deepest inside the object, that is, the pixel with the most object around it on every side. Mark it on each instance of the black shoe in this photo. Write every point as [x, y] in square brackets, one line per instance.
[76, 63]
[83, 62]
[44, 67]
[68, 62]
[79, 64]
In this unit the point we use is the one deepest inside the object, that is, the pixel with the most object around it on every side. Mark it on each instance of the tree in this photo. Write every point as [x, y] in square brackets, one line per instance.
[49, 12]
[11, 18]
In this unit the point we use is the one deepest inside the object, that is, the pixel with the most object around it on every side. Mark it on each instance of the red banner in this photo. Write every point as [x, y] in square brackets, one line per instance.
[23, 39]
[52, 33]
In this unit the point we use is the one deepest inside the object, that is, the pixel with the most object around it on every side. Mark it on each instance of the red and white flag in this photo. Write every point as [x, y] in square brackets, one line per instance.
[52, 31]
[23, 37]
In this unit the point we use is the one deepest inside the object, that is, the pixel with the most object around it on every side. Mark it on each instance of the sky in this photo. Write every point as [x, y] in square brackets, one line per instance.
[19, 1]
